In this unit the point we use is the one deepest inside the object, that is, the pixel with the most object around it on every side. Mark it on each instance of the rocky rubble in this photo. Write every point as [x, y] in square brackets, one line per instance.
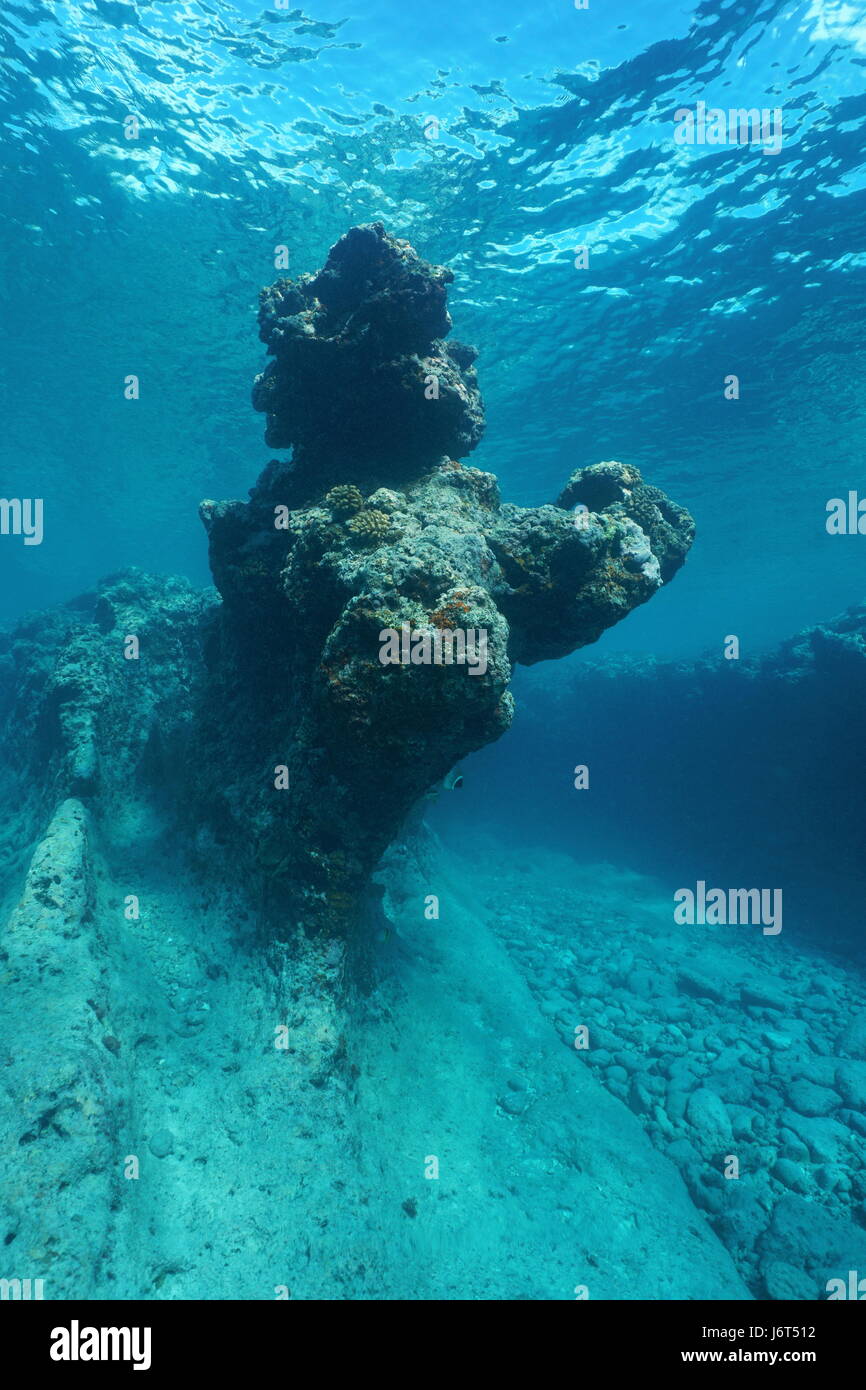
[723, 1049]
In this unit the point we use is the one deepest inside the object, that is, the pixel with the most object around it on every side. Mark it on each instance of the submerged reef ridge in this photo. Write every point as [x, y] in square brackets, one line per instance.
[378, 525]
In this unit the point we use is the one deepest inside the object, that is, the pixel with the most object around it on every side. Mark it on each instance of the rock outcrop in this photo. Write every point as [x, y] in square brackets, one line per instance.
[376, 590]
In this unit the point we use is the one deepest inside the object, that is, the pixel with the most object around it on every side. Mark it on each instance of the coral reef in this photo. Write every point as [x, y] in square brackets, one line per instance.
[376, 526]
[345, 499]
[372, 524]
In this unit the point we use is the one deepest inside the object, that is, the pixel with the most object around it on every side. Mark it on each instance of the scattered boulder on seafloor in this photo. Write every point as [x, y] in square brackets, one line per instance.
[377, 527]
[710, 1122]
[161, 1143]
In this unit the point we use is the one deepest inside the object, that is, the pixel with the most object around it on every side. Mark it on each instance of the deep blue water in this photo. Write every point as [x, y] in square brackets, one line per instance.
[498, 138]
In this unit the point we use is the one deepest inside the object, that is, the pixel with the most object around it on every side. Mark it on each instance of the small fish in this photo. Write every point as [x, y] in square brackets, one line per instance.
[452, 782]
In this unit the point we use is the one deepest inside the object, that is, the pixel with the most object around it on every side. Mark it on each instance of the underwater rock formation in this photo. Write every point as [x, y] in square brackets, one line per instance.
[359, 353]
[376, 538]
[121, 1028]
[98, 700]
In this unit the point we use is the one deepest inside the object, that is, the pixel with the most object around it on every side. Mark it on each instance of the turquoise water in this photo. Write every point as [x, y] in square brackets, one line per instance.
[157, 155]
[262, 127]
